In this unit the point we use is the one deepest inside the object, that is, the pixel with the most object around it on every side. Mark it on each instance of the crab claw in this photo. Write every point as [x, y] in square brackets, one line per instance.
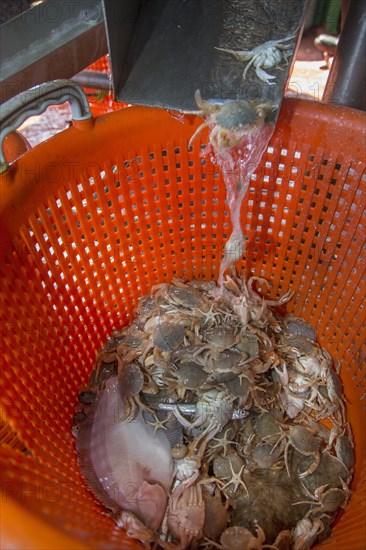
[283, 374]
[265, 77]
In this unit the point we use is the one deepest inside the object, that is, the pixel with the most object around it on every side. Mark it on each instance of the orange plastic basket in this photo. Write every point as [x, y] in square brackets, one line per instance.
[94, 217]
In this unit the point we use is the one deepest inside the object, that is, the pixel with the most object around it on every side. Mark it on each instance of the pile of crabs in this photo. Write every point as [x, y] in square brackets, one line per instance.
[225, 419]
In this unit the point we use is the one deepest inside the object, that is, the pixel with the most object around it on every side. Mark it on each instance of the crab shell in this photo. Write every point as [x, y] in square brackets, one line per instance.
[235, 115]
[305, 533]
[231, 121]
[186, 514]
[268, 58]
[216, 516]
[238, 538]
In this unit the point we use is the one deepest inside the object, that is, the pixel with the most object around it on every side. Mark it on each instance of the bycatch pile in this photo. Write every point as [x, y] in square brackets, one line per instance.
[214, 420]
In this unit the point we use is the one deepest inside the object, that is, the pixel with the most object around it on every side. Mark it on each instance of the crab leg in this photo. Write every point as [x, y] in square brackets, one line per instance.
[312, 467]
[285, 454]
[265, 77]
[181, 418]
[208, 438]
[241, 55]
[204, 125]
[247, 68]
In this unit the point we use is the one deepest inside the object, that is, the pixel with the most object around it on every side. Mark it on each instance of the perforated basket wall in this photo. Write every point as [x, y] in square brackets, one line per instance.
[92, 218]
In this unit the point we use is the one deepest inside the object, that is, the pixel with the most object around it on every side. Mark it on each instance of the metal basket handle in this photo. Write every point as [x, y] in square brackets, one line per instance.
[36, 100]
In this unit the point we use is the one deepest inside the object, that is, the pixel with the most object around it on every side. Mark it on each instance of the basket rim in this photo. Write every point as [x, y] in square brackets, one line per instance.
[38, 173]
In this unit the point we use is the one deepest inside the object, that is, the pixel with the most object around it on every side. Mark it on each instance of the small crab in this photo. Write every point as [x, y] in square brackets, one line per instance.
[305, 533]
[105, 365]
[264, 458]
[186, 514]
[297, 326]
[216, 515]
[250, 306]
[304, 442]
[265, 56]
[213, 411]
[305, 356]
[135, 528]
[186, 376]
[228, 360]
[240, 537]
[333, 399]
[344, 448]
[326, 500]
[221, 337]
[292, 404]
[283, 540]
[178, 298]
[298, 383]
[230, 121]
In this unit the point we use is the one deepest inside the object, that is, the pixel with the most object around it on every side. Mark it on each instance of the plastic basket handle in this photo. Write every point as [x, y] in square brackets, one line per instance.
[36, 100]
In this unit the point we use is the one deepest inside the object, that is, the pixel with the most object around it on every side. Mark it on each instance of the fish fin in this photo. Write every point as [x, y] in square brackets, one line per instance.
[83, 448]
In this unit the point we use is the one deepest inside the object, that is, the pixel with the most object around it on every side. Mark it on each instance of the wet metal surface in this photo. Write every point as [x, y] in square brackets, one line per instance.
[52, 40]
[173, 53]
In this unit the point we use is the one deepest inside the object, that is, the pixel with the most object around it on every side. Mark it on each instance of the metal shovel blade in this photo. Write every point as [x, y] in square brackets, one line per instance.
[162, 51]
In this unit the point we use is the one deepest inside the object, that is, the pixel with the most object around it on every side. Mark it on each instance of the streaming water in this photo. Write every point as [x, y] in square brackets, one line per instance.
[237, 165]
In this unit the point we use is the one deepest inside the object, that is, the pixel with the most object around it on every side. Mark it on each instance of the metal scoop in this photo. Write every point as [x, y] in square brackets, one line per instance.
[179, 46]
